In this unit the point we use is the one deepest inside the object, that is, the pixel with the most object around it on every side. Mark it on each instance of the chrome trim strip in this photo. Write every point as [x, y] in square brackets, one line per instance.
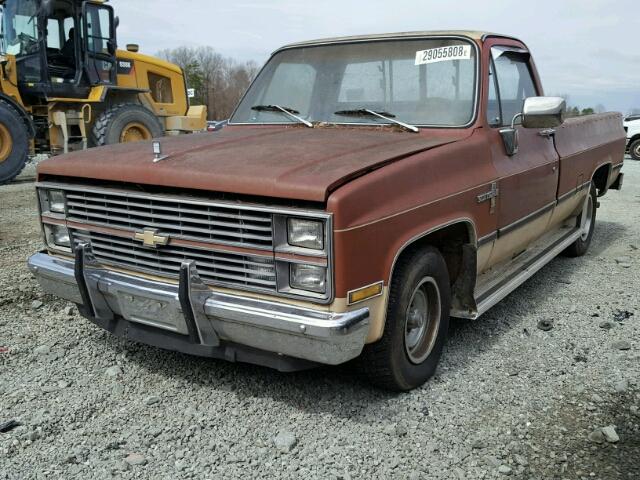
[528, 218]
[317, 335]
[491, 298]
[579, 188]
[418, 36]
[192, 200]
[416, 207]
[487, 238]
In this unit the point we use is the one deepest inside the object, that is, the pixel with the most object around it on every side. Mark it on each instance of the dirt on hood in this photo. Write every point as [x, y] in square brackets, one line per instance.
[284, 162]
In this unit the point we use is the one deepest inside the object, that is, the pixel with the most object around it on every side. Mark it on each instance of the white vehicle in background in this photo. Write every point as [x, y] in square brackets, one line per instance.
[632, 127]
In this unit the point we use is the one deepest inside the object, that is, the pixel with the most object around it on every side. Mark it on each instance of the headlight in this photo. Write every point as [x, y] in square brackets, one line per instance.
[57, 236]
[53, 201]
[308, 277]
[305, 233]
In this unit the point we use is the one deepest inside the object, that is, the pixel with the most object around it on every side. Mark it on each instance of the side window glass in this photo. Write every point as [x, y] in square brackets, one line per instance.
[53, 34]
[515, 83]
[68, 25]
[493, 106]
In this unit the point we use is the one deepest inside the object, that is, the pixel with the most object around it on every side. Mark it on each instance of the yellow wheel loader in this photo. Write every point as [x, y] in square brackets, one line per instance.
[65, 86]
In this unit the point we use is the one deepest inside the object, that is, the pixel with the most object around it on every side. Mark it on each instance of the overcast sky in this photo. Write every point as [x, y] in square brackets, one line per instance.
[587, 49]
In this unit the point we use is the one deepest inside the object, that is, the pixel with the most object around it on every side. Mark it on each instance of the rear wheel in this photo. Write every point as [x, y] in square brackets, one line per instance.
[417, 324]
[634, 149]
[14, 143]
[587, 224]
[125, 123]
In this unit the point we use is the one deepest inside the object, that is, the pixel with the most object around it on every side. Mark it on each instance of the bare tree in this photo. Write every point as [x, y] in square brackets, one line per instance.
[219, 81]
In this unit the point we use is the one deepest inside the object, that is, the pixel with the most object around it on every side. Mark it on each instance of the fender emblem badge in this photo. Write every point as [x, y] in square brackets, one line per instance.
[490, 195]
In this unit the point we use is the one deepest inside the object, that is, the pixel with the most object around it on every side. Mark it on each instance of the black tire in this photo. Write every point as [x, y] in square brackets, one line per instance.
[387, 363]
[634, 149]
[110, 125]
[581, 245]
[15, 158]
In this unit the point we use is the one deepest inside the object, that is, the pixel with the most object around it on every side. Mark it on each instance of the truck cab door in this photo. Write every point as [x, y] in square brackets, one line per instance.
[99, 39]
[528, 178]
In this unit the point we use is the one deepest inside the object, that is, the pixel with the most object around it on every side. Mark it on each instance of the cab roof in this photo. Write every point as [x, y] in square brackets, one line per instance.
[471, 34]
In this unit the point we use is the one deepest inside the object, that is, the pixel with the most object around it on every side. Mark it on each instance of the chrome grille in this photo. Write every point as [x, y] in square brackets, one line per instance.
[215, 268]
[190, 220]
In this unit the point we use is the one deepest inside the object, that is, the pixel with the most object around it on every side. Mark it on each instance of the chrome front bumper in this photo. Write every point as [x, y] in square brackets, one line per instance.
[191, 318]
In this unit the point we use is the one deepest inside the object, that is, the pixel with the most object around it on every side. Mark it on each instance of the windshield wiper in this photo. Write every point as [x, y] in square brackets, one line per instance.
[286, 110]
[365, 112]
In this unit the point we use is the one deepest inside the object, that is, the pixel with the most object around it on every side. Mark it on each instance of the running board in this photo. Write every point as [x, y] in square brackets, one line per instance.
[524, 268]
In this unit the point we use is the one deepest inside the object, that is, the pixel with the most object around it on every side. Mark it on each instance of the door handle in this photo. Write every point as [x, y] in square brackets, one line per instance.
[547, 132]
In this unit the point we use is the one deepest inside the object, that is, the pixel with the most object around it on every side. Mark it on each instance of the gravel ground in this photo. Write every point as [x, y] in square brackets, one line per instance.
[510, 400]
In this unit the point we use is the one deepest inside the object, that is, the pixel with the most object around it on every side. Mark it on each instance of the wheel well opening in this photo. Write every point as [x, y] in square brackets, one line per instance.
[456, 243]
[601, 177]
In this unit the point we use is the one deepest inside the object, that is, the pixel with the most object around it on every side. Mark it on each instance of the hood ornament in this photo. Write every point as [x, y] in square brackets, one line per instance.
[157, 152]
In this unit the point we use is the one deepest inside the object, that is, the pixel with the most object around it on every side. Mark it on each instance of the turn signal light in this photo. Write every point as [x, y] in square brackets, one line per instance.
[365, 293]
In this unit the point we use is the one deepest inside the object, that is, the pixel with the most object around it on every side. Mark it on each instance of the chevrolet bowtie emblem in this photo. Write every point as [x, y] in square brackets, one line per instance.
[150, 238]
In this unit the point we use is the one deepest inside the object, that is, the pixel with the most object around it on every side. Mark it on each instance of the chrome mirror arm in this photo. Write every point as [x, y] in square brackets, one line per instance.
[515, 119]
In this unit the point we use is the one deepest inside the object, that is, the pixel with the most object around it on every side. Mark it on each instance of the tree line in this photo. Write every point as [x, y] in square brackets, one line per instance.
[219, 82]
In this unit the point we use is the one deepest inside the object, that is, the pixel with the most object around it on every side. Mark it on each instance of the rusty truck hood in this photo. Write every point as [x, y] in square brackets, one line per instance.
[293, 163]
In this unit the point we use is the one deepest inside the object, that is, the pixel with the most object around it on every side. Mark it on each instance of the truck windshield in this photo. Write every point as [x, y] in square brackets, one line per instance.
[20, 27]
[426, 82]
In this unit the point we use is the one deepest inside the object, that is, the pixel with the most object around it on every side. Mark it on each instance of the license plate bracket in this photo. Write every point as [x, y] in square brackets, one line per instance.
[156, 312]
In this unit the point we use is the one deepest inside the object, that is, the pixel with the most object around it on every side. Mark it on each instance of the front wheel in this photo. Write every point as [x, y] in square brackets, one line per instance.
[417, 324]
[586, 224]
[634, 150]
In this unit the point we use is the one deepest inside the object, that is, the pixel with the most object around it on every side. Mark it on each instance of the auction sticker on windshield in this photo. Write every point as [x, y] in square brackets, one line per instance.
[442, 54]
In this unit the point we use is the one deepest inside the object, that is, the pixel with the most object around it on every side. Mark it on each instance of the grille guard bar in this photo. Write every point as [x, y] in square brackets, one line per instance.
[192, 318]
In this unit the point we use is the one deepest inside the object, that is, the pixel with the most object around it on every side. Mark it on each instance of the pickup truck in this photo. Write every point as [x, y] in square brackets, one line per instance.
[366, 190]
[632, 127]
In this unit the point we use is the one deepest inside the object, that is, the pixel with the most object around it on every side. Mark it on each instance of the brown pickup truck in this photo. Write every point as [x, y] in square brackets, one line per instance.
[365, 190]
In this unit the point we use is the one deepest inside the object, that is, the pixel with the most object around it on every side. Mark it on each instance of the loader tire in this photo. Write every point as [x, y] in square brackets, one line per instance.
[124, 123]
[14, 143]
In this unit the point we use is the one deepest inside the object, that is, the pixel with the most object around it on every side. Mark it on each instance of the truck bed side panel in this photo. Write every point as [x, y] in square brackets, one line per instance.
[586, 143]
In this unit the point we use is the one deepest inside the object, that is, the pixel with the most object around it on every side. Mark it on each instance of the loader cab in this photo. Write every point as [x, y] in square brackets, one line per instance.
[62, 47]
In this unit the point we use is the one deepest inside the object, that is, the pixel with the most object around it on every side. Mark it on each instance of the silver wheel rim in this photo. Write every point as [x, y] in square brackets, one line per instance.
[636, 150]
[587, 218]
[422, 320]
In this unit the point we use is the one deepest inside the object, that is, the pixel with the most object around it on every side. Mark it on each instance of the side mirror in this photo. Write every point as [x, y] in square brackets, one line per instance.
[543, 112]
[538, 112]
[116, 22]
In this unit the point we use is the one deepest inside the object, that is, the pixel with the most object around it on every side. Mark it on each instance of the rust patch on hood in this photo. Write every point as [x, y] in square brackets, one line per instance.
[283, 162]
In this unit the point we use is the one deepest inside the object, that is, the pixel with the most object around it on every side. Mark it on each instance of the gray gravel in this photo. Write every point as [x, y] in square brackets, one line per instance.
[509, 401]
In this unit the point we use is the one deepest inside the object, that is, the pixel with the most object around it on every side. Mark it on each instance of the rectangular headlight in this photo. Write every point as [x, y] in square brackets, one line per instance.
[305, 233]
[311, 278]
[57, 201]
[57, 236]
